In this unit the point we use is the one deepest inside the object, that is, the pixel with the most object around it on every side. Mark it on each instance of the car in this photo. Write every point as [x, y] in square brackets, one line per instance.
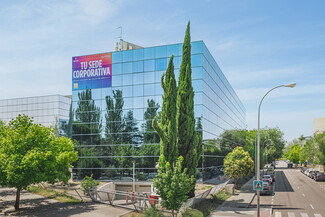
[307, 172]
[268, 177]
[266, 180]
[303, 169]
[319, 177]
[313, 174]
[266, 189]
[272, 175]
[290, 165]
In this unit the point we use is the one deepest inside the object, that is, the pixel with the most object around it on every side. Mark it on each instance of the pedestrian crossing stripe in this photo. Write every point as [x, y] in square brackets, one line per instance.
[257, 185]
[291, 214]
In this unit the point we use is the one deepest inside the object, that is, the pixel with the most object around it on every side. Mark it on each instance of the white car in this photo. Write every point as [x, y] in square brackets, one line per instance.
[268, 177]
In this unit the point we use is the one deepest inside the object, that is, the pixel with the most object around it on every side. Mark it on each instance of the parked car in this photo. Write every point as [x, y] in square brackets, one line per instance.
[307, 172]
[266, 189]
[266, 180]
[312, 173]
[303, 169]
[272, 175]
[319, 176]
[290, 165]
[268, 177]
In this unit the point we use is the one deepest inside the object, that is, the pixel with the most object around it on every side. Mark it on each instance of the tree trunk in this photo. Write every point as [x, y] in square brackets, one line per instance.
[17, 198]
[173, 213]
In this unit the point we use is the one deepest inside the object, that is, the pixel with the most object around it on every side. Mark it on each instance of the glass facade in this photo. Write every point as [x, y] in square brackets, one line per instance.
[46, 110]
[112, 126]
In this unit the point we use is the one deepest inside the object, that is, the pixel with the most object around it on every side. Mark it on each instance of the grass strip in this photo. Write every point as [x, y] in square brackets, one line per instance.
[49, 193]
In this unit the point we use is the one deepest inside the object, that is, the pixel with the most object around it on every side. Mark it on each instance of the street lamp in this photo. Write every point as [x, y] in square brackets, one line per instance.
[265, 145]
[258, 143]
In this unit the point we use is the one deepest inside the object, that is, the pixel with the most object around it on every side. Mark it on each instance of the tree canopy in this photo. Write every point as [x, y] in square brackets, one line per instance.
[31, 153]
[238, 163]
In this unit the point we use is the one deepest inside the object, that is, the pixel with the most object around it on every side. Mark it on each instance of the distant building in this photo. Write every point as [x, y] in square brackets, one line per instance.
[319, 125]
[50, 110]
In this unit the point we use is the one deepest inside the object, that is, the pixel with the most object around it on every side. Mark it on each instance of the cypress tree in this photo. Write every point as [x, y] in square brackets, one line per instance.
[166, 129]
[188, 141]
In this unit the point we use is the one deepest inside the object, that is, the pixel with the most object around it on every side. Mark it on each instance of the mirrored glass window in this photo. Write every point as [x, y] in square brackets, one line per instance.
[161, 64]
[172, 50]
[117, 57]
[196, 60]
[149, 77]
[137, 102]
[158, 89]
[196, 47]
[197, 85]
[117, 80]
[138, 90]
[197, 73]
[158, 75]
[127, 91]
[127, 55]
[138, 66]
[149, 65]
[138, 78]
[149, 53]
[160, 51]
[127, 68]
[137, 54]
[128, 103]
[127, 79]
[117, 69]
[149, 89]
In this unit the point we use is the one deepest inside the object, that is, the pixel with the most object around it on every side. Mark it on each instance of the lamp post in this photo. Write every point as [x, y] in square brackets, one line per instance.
[265, 146]
[258, 142]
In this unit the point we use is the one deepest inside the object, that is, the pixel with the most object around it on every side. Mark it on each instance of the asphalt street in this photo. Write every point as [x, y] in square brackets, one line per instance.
[294, 195]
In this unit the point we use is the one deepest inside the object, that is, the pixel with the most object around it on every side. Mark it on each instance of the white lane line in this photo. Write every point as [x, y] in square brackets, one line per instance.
[304, 214]
[311, 206]
[317, 215]
[277, 214]
[291, 214]
[303, 195]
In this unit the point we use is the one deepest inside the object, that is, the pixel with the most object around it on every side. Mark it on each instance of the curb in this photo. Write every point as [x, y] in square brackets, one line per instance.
[251, 201]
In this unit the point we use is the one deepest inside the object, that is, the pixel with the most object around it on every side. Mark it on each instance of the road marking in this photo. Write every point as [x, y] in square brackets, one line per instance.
[291, 214]
[303, 194]
[312, 206]
[304, 214]
[298, 187]
[277, 214]
[317, 215]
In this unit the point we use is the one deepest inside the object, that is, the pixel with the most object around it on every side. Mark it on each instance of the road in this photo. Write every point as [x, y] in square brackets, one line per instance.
[295, 195]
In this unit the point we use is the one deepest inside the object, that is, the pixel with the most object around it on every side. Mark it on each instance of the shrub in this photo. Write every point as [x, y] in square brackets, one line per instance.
[152, 212]
[192, 213]
[89, 182]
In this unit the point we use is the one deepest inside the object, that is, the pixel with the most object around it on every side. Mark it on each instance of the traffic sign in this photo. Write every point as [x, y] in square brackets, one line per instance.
[258, 185]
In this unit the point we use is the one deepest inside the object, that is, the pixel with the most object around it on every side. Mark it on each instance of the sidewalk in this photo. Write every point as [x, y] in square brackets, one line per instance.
[238, 204]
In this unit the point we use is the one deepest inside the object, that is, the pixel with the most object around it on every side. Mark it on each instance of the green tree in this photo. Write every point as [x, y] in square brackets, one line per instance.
[166, 129]
[172, 184]
[188, 141]
[293, 153]
[131, 134]
[229, 139]
[114, 118]
[149, 134]
[238, 163]
[319, 139]
[31, 153]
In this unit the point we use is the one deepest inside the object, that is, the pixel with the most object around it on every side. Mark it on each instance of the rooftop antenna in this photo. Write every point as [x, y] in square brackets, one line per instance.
[120, 27]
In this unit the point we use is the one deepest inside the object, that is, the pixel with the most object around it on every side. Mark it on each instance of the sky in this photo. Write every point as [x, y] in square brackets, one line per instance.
[257, 44]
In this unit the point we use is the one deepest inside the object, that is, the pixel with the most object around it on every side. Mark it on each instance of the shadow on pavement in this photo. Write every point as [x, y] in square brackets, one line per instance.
[41, 207]
[282, 183]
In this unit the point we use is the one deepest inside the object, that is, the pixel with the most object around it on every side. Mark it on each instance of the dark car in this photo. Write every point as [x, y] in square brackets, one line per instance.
[319, 176]
[290, 165]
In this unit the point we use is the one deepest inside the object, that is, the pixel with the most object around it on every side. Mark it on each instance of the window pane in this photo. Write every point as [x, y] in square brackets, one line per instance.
[127, 91]
[172, 49]
[138, 90]
[128, 103]
[149, 53]
[138, 54]
[138, 78]
[161, 64]
[160, 51]
[196, 60]
[127, 55]
[116, 69]
[197, 73]
[116, 80]
[158, 75]
[127, 68]
[149, 77]
[197, 85]
[196, 47]
[138, 102]
[149, 89]
[138, 66]
[158, 89]
[149, 65]
[116, 57]
[127, 79]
